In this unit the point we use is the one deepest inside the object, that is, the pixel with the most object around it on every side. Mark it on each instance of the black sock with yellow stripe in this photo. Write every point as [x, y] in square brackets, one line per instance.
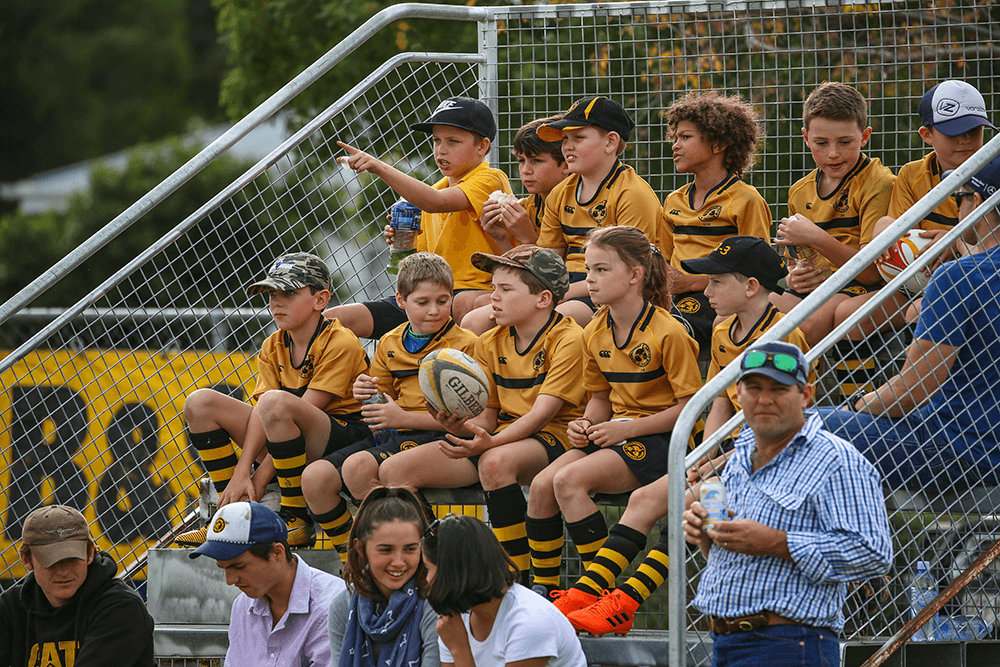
[588, 536]
[289, 461]
[650, 574]
[507, 508]
[218, 455]
[620, 549]
[337, 525]
[854, 365]
[545, 539]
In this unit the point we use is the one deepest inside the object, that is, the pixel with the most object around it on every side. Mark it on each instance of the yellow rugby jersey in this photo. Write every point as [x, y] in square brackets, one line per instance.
[624, 198]
[332, 363]
[850, 212]
[552, 365]
[455, 235]
[732, 207]
[725, 349]
[656, 367]
[534, 205]
[916, 179]
[396, 369]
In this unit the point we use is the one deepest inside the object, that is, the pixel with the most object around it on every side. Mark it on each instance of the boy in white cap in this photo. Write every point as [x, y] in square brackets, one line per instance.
[281, 616]
[70, 609]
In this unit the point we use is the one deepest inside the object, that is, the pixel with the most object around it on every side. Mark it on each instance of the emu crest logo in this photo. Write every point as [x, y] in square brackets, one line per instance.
[640, 355]
[308, 367]
[711, 214]
[856, 290]
[688, 304]
[600, 212]
[219, 525]
[549, 440]
[409, 444]
[538, 361]
[841, 204]
[635, 450]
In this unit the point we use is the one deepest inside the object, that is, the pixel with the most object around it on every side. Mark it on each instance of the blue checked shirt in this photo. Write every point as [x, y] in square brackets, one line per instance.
[828, 499]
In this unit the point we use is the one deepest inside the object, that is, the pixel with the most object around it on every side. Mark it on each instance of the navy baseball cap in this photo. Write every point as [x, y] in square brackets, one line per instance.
[749, 255]
[953, 108]
[598, 111]
[782, 362]
[986, 182]
[462, 112]
[237, 527]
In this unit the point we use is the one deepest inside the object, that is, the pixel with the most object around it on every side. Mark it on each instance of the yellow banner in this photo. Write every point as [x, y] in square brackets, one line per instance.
[103, 431]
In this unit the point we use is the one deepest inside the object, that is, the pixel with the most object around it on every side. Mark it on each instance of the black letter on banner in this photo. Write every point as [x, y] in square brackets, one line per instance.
[48, 426]
[133, 442]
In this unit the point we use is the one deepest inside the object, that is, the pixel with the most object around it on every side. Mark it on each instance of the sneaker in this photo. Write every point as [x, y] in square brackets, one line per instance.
[301, 532]
[614, 612]
[571, 600]
[192, 538]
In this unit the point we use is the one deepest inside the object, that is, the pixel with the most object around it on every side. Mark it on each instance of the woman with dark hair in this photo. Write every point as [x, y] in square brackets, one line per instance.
[486, 618]
[382, 620]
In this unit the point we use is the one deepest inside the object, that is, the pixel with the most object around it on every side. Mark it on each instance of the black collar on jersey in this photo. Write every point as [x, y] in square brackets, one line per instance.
[641, 322]
[320, 327]
[554, 318]
[609, 180]
[935, 165]
[855, 170]
[720, 187]
[762, 324]
[539, 210]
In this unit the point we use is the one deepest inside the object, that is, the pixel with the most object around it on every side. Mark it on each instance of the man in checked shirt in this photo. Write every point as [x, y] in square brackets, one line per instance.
[807, 516]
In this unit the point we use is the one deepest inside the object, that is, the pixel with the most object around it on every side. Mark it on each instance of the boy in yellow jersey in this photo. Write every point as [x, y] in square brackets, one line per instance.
[836, 206]
[715, 138]
[462, 131]
[953, 115]
[541, 167]
[534, 358]
[423, 289]
[305, 407]
[602, 191]
[742, 272]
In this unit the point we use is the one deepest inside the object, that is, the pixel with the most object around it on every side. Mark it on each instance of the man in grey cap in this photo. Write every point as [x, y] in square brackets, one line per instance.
[70, 609]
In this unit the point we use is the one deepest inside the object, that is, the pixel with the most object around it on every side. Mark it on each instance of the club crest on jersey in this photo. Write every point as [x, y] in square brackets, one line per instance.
[409, 444]
[711, 214]
[688, 304]
[600, 212]
[635, 450]
[219, 525]
[641, 355]
[841, 205]
[307, 368]
[538, 361]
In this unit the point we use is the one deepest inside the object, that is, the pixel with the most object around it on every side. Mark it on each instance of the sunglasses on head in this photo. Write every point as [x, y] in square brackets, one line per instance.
[786, 363]
[432, 530]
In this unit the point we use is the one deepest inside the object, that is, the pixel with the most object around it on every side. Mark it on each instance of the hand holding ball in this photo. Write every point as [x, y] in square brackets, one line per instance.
[901, 254]
[452, 382]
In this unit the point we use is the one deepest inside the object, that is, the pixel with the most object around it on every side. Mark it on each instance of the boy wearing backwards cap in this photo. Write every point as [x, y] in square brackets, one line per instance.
[534, 359]
[305, 407]
[280, 618]
[601, 191]
[462, 131]
[70, 609]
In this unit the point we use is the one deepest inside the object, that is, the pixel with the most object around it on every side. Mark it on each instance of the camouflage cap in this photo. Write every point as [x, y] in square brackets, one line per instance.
[292, 271]
[542, 263]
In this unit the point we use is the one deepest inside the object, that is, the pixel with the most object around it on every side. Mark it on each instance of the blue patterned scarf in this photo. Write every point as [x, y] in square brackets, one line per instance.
[396, 626]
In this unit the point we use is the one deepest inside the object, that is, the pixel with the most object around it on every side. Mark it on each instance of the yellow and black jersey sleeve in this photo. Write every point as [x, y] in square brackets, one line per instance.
[534, 205]
[916, 179]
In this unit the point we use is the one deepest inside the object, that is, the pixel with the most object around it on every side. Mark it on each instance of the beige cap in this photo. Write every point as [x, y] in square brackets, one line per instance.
[54, 533]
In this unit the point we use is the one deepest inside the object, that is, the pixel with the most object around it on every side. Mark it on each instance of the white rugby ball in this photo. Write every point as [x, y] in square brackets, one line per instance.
[453, 382]
[901, 255]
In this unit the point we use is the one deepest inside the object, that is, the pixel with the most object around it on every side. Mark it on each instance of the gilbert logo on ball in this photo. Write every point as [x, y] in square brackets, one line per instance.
[900, 255]
[454, 383]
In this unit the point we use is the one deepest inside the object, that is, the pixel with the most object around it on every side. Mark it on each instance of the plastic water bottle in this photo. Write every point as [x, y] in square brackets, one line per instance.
[404, 218]
[923, 589]
[381, 435]
[963, 628]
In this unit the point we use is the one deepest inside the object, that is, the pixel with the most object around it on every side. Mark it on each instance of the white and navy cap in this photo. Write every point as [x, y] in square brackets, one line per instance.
[953, 108]
[462, 112]
[237, 527]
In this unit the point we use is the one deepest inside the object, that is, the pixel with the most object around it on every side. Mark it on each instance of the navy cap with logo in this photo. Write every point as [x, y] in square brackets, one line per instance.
[986, 181]
[237, 527]
[463, 112]
[598, 111]
[748, 255]
[782, 362]
[953, 108]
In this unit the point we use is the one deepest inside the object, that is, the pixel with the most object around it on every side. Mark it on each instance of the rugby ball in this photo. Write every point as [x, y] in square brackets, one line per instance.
[900, 255]
[454, 383]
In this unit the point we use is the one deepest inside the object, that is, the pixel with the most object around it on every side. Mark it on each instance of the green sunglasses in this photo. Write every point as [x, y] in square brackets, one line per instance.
[785, 363]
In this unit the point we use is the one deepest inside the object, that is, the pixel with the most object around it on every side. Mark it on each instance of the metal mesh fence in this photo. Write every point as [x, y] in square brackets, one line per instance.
[94, 413]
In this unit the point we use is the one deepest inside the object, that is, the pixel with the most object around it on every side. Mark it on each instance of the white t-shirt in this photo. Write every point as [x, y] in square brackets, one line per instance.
[527, 626]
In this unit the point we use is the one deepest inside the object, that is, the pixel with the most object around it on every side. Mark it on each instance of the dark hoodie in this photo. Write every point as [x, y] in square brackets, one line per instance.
[104, 625]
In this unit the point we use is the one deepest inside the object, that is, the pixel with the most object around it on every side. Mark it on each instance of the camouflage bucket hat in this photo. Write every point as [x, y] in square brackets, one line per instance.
[292, 271]
[542, 263]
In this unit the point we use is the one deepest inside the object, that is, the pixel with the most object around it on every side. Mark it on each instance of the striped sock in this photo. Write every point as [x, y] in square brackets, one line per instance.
[854, 366]
[337, 525]
[650, 574]
[289, 461]
[545, 539]
[507, 508]
[218, 455]
[620, 549]
[588, 535]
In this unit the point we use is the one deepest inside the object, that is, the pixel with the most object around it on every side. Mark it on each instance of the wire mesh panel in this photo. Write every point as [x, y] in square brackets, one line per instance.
[94, 412]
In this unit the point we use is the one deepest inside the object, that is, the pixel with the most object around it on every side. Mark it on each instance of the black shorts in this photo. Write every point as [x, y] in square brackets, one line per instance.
[345, 430]
[853, 288]
[645, 456]
[575, 277]
[387, 315]
[554, 448]
[693, 310]
[398, 443]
